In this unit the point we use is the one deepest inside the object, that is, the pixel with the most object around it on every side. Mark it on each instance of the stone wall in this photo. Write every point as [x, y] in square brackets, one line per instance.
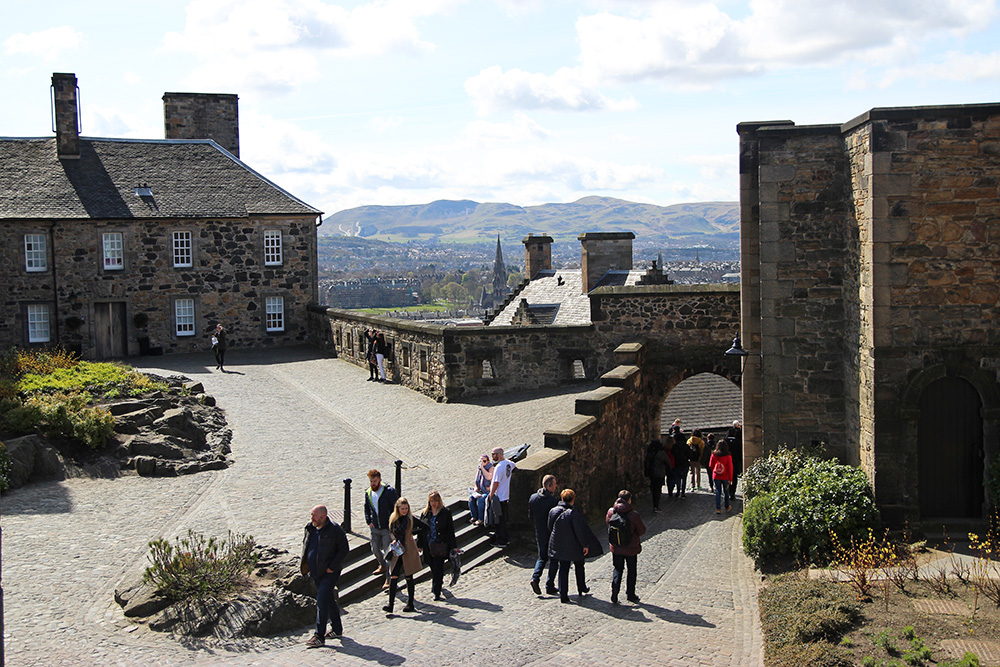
[687, 325]
[228, 281]
[877, 276]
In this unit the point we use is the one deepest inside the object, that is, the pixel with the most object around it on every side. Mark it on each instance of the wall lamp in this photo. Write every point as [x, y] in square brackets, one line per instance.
[737, 351]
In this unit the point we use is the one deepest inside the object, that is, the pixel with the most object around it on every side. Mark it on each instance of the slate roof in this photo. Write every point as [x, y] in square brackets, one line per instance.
[705, 401]
[188, 179]
[544, 294]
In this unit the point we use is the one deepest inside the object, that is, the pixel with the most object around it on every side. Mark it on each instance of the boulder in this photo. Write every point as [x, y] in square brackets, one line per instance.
[32, 458]
[145, 466]
[141, 599]
[132, 422]
[194, 387]
[257, 613]
[154, 446]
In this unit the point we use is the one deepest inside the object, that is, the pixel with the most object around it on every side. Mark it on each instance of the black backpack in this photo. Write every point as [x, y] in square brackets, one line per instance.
[619, 529]
[647, 463]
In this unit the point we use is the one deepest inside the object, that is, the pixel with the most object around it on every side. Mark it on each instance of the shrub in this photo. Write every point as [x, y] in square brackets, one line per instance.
[993, 484]
[770, 471]
[66, 415]
[800, 619]
[196, 567]
[968, 660]
[4, 468]
[818, 501]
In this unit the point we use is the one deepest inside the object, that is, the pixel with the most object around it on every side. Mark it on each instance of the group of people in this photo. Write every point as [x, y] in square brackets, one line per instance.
[375, 353]
[398, 540]
[564, 538]
[681, 455]
[489, 496]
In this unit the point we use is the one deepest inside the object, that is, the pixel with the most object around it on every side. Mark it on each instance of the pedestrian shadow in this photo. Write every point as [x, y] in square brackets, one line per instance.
[47, 497]
[626, 613]
[472, 603]
[366, 652]
[442, 615]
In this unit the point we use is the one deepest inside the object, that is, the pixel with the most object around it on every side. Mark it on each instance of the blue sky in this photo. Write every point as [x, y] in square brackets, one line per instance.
[522, 101]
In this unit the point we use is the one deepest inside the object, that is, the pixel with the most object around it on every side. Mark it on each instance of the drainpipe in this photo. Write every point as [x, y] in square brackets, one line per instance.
[55, 282]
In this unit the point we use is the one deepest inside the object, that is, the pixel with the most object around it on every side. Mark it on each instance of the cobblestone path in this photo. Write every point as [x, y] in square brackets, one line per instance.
[301, 424]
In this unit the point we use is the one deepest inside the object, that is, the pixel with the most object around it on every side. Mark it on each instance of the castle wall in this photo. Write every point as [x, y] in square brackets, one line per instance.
[878, 276]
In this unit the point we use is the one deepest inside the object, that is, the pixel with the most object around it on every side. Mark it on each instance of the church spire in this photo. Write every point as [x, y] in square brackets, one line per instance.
[499, 275]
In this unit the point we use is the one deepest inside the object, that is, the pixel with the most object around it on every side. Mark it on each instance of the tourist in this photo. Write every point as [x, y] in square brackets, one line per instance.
[500, 493]
[438, 539]
[405, 557]
[696, 446]
[735, 438]
[625, 527]
[323, 550]
[379, 500]
[657, 465]
[370, 355]
[568, 540]
[219, 345]
[479, 491]
[706, 454]
[681, 456]
[381, 350]
[721, 465]
[539, 506]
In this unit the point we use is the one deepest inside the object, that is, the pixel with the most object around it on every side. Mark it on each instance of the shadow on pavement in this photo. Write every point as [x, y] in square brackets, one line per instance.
[438, 614]
[37, 498]
[673, 616]
[365, 652]
[472, 603]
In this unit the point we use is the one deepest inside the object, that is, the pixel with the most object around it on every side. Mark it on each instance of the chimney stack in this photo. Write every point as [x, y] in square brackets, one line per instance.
[66, 115]
[537, 254]
[203, 116]
[601, 252]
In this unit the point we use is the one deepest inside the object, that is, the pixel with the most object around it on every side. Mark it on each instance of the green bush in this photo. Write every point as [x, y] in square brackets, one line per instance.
[196, 567]
[968, 660]
[770, 472]
[993, 483]
[802, 507]
[66, 415]
[802, 621]
[4, 468]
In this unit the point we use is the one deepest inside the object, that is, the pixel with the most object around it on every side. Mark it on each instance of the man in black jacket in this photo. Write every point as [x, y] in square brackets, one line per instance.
[380, 500]
[539, 505]
[323, 550]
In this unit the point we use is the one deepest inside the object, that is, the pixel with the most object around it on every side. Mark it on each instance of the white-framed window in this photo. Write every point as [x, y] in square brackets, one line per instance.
[114, 251]
[184, 317]
[38, 323]
[274, 313]
[272, 247]
[182, 249]
[35, 258]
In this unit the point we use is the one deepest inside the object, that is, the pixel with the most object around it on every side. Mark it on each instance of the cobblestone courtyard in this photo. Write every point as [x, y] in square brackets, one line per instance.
[301, 424]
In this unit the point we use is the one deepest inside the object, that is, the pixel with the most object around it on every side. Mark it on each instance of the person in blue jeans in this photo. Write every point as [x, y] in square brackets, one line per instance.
[323, 550]
[481, 488]
[539, 506]
[721, 465]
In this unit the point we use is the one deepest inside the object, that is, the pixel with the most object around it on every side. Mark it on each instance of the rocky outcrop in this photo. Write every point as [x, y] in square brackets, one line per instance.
[276, 599]
[179, 431]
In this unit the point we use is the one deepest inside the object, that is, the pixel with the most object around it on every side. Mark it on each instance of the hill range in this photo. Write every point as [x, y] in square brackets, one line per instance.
[467, 221]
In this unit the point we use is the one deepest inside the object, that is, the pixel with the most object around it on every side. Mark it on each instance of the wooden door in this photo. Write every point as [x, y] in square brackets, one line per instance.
[950, 450]
[111, 335]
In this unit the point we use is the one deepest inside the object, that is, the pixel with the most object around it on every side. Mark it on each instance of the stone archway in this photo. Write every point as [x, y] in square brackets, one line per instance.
[950, 389]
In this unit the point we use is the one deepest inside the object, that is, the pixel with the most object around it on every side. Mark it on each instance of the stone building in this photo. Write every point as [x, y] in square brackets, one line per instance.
[116, 247]
[871, 299]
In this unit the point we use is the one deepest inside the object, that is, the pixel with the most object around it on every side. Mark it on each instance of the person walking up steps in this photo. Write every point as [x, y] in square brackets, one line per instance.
[379, 502]
[405, 558]
[625, 527]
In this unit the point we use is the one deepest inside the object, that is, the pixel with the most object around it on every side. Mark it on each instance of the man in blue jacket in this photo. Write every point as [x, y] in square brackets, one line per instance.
[380, 499]
[323, 550]
[539, 505]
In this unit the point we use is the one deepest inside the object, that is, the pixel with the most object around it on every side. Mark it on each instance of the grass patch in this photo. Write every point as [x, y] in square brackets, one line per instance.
[804, 622]
[198, 567]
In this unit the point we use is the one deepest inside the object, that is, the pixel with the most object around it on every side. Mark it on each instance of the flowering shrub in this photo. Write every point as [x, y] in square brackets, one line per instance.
[66, 415]
[812, 502]
[197, 567]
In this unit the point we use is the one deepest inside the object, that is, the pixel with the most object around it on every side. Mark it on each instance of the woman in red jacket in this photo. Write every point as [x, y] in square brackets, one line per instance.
[721, 465]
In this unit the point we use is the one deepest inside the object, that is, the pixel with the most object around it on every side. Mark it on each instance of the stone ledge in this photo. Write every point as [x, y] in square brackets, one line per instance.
[592, 403]
[619, 376]
[561, 436]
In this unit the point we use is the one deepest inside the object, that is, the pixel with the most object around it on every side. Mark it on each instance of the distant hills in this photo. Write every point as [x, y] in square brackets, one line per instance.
[468, 221]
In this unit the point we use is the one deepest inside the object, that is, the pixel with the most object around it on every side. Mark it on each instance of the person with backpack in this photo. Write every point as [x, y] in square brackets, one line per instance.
[696, 446]
[721, 465]
[656, 466]
[682, 458]
[625, 527]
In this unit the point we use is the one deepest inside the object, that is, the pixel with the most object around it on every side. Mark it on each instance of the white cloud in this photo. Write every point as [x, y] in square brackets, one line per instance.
[102, 121]
[382, 124]
[276, 45]
[485, 133]
[48, 45]
[274, 147]
[694, 44]
[567, 90]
